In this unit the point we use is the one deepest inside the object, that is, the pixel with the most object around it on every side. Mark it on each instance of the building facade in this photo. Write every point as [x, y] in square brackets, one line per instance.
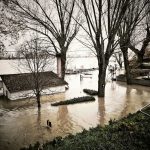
[19, 86]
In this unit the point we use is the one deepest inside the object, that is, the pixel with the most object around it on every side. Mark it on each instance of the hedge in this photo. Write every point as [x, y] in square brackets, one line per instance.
[74, 100]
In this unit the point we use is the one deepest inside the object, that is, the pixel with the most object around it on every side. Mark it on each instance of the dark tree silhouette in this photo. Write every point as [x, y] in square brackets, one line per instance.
[7, 27]
[134, 15]
[52, 19]
[103, 18]
[36, 60]
[145, 42]
[118, 58]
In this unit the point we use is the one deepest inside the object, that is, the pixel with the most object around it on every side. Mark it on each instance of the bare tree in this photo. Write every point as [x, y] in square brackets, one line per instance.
[103, 18]
[7, 29]
[9, 24]
[53, 20]
[134, 15]
[36, 61]
[118, 58]
[145, 42]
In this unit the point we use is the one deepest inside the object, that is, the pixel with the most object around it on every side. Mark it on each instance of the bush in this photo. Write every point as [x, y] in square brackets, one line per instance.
[90, 92]
[74, 100]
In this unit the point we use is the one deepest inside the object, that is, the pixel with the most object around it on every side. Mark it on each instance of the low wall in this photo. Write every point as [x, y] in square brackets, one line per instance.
[141, 82]
[134, 81]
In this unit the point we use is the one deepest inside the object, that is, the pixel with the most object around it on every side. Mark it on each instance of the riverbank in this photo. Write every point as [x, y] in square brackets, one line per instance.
[131, 132]
[141, 81]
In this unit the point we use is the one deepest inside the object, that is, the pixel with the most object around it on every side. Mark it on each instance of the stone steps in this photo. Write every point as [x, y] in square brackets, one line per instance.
[145, 66]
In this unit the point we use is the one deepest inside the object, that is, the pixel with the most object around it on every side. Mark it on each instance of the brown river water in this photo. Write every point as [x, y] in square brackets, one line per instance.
[21, 123]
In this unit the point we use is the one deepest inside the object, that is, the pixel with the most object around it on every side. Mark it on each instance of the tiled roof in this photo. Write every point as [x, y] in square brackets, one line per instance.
[25, 81]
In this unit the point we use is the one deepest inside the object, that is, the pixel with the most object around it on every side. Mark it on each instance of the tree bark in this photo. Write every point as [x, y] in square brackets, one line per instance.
[38, 100]
[126, 65]
[120, 65]
[140, 57]
[63, 65]
[140, 53]
[101, 80]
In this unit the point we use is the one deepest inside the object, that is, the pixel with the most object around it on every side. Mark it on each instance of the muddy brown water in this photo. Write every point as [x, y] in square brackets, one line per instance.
[21, 123]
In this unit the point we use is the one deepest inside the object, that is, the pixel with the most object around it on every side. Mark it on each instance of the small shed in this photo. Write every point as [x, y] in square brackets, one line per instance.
[18, 86]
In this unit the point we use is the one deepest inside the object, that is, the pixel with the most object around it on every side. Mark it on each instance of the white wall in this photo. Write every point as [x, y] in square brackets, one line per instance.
[5, 91]
[1, 91]
[1, 88]
[1, 84]
[29, 93]
[52, 90]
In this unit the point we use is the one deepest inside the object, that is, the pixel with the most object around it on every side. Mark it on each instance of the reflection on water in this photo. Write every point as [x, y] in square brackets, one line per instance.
[65, 124]
[21, 123]
[101, 110]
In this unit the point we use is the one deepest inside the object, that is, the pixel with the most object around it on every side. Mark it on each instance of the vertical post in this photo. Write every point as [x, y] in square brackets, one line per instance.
[3, 88]
[59, 73]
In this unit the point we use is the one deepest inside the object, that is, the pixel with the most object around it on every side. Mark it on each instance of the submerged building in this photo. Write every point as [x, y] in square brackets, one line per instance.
[1, 86]
[19, 86]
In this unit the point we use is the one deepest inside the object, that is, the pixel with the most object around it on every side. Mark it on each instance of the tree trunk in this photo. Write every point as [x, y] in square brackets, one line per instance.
[120, 65]
[63, 65]
[38, 100]
[140, 57]
[101, 80]
[126, 65]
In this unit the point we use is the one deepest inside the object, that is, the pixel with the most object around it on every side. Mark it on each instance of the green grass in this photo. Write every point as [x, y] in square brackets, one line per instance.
[90, 92]
[129, 133]
[75, 100]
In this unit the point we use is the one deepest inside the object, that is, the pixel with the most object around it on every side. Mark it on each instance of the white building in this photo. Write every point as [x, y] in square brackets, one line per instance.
[18, 86]
[1, 87]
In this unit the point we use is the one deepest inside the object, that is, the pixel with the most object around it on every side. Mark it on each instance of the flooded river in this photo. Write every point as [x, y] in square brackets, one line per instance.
[21, 123]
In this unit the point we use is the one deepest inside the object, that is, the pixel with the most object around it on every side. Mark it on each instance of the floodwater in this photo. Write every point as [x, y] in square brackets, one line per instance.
[22, 124]
[20, 66]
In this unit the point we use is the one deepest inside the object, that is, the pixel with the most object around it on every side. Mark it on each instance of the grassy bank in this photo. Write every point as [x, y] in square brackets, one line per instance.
[75, 100]
[130, 133]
